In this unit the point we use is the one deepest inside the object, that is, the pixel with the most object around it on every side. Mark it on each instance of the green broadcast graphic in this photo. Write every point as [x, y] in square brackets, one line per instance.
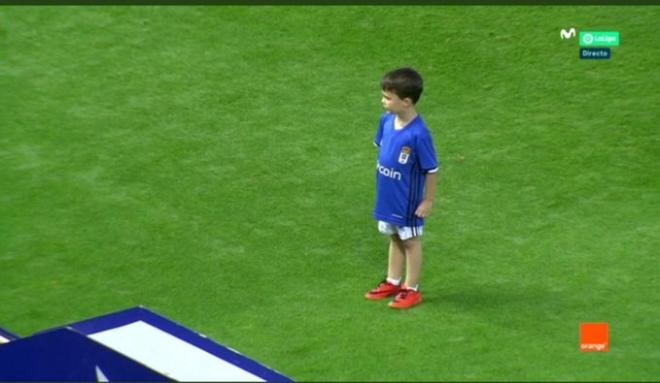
[596, 45]
[599, 39]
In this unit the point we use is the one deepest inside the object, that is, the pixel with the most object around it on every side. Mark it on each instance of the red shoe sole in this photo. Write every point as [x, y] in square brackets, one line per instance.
[392, 305]
[378, 297]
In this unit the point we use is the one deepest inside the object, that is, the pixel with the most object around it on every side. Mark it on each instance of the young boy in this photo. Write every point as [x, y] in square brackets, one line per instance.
[406, 183]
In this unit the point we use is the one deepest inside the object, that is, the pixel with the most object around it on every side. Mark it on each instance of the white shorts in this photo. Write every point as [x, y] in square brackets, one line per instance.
[405, 232]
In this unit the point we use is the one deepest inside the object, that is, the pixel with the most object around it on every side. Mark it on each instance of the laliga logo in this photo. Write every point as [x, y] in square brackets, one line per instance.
[564, 34]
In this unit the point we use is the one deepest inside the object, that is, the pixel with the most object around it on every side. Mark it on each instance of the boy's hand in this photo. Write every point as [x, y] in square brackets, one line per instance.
[424, 209]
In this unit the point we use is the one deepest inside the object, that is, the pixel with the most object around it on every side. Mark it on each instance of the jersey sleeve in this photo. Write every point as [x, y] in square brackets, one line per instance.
[379, 132]
[428, 159]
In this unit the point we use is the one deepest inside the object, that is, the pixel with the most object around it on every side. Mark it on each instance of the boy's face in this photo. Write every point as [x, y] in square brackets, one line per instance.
[392, 103]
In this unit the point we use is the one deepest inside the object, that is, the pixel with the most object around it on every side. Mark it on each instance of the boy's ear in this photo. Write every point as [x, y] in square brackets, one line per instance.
[408, 101]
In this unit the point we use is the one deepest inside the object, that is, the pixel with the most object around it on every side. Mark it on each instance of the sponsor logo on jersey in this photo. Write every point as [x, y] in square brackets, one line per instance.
[404, 155]
[388, 172]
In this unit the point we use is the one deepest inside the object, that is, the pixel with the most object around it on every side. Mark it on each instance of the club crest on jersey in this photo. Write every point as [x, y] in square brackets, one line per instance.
[404, 155]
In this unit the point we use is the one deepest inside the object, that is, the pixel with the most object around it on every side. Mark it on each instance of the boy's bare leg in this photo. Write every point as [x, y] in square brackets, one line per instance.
[396, 258]
[413, 250]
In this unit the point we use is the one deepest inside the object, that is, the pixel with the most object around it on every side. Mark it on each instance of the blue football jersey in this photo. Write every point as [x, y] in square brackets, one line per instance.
[405, 157]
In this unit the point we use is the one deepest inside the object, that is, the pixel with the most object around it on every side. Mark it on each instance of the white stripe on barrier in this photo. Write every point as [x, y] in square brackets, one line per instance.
[170, 355]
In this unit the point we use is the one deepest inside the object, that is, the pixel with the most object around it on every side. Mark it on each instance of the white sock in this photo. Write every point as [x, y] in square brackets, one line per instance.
[394, 281]
[414, 288]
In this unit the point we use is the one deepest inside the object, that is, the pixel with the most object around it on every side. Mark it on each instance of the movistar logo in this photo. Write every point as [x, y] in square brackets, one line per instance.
[390, 173]
[567, 34]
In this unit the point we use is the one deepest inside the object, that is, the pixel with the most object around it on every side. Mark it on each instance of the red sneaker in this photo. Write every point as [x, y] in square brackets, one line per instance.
[382, 291]
[406, 299]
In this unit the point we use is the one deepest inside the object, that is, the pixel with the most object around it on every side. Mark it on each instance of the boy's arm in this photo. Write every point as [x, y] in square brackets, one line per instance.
[430, 186]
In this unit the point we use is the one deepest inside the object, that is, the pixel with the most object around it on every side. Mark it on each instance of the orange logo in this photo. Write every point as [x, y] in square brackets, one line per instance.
[594, 337]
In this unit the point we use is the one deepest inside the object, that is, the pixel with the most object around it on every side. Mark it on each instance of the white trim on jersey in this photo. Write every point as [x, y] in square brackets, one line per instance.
[434, 170]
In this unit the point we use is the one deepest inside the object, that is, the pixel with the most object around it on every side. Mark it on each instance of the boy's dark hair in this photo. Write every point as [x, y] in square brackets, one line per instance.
[404, 82]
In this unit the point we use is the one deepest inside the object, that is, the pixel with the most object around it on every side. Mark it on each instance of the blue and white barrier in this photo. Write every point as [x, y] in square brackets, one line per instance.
[134, 344]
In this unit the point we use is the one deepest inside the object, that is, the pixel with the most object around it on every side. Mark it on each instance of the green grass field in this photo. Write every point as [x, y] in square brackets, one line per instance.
[215, 164]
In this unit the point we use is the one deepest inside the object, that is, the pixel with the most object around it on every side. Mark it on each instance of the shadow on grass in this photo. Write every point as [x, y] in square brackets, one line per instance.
[495, 298]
